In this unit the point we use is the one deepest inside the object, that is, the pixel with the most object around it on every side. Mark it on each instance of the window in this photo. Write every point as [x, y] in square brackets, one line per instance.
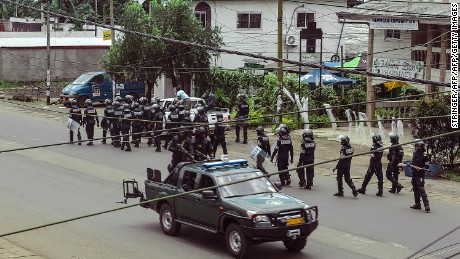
[249, 21]
[304, 18]
[201, 16]
[352, 3]
[188, 181]
[205, 182]
[393, 34]
[311, 46]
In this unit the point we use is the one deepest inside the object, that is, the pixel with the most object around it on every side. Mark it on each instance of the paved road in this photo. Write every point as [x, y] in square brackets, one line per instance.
[39, 186]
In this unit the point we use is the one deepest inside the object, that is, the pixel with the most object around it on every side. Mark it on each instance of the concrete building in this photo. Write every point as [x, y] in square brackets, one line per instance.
[251, 26]
[407, 39]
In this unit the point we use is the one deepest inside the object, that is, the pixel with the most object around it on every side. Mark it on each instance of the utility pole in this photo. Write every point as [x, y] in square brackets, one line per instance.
[95, 18]
[48, 59]
[279, 100]
[112, 33]
[370, 95]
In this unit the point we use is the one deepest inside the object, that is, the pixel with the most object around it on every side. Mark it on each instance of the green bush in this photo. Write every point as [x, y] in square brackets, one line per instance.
[443, 150]
[319, 118]
[410, 90]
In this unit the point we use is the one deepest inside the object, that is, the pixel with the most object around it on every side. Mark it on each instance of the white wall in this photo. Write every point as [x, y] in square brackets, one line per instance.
[264, 41]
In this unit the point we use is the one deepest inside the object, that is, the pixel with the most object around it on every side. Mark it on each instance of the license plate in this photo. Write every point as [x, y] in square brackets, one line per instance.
[295, 221]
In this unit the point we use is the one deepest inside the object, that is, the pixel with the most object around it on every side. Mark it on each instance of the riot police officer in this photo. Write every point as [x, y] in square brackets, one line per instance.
[105, 123]
[116, 129]
[75, 114]
[263, 142]
[180, 143]
[126, 122]
[307, 157]
[173, 122]
[220, 129]
[242, 115]
[343, 167]
[375, 165]
[202, 147]
[89, 120]
[420, 165]
[284, 149]
[186, 120]
[137, 124]
[395, 156]
[156, 126]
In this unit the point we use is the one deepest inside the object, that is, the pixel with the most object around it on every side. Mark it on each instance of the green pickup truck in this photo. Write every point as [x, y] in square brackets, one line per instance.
[246, 213]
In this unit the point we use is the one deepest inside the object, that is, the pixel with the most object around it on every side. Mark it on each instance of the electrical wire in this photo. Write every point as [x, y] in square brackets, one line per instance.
[227, 184]
[217, 49]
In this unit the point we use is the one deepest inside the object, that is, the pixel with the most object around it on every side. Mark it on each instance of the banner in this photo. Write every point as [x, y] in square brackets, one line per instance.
[393, 24]
[402, 68]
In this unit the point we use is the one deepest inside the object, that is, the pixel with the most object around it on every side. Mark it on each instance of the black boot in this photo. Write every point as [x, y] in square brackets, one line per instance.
[338, 194]
[427, 208]
[288, 179]
[128, 148]
[354, 191]
[416, 207]
[362, 191]
[122, 146]
[379, 193]
[399, 188]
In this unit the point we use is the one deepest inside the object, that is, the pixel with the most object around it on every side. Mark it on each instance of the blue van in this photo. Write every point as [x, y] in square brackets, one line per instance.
[97, 86]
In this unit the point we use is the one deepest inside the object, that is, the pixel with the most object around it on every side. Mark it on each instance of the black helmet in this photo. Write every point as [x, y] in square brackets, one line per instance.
[155, 107]
[260, 130]
[116, 104]
[126, 107]
[74, 103]
[89, 102]
[344, 140]
[219, 116]
[129, 98]
[119, 99]
[136, 105]
[419, 144]
[394, 139]
[172, 108]
[283, 132]
[307, 133]
[281, 126]
[376, 138]
[143, 100]
[200, 132]
[108, 102]
[200, 109]
[181, 107]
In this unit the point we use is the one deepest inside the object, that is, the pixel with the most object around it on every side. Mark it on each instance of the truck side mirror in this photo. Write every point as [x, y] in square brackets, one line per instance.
[278, 185]
[208, 195]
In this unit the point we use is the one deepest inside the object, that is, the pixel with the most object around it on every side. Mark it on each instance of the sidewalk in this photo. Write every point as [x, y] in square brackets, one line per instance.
[11, 250]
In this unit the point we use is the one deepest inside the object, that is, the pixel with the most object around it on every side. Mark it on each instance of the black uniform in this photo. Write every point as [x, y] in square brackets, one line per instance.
[179, 143]
[307, 157]
[89, 120]
[219, 130]
[157, 126]
[284, 149]
[243, 112]
[75, 114]
[264, 143]
[116, 129]
[106, 121]
[419, 159]
[125, 128]
[202, 147]
[174, 123]
[395, 156]
[343, 170]
[137, 126]
[375, 167]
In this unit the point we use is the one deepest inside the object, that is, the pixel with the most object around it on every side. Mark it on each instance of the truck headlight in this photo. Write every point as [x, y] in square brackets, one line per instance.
[262, 221]
[73, 93]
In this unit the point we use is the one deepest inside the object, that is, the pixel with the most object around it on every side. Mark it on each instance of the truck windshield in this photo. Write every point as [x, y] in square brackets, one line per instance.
[254, 186]
[83, 79]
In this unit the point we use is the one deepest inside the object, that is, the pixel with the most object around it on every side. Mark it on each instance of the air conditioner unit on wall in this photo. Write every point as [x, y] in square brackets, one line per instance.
[292, 40]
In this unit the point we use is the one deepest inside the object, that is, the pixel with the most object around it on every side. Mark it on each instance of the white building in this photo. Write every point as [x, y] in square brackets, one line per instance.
[251, 26]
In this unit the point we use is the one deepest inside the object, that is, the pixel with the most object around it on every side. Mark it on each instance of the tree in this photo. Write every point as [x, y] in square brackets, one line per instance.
[146, 59]
[8, 10]
[444, 149]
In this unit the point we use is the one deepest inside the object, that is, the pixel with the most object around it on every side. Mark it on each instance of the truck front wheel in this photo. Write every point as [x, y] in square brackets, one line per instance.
[296, 245]
[168, 221]
[237, 243]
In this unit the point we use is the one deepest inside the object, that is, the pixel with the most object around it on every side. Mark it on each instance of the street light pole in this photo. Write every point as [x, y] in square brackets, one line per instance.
[48, 60]
[300, 70]
[279, 100]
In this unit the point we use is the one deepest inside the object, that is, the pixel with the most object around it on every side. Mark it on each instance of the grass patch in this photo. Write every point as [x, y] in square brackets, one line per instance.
[453, 175]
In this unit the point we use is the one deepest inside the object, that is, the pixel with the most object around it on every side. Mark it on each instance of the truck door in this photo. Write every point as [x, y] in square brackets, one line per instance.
[185, 204]
[106, 89]
[207, 210]
[96, 86]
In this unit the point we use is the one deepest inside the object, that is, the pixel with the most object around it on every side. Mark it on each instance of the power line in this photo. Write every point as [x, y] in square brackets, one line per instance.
[217, 49]
[227, 184]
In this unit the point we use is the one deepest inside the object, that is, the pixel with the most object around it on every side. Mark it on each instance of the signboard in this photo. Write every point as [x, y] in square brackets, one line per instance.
[402, 68]
[96, 91]
[393, 24]
[310, 58]
[107, 35]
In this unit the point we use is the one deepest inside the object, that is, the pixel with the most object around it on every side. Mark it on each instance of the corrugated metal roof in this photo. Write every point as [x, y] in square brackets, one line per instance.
[54, 42]
[417, 10]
